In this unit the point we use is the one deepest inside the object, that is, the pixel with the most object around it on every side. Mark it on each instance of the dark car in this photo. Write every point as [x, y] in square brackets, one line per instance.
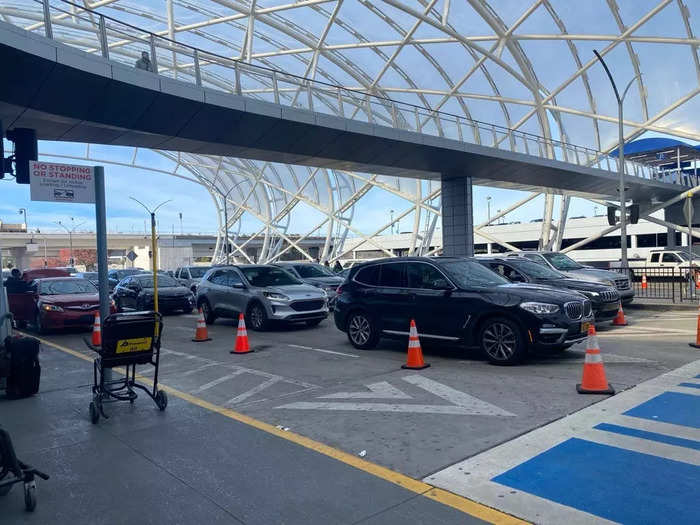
[458, 300]
[604, 299]
[136, 293]
[94, 279]
[317, 275]
[118, 275]
[57, 302]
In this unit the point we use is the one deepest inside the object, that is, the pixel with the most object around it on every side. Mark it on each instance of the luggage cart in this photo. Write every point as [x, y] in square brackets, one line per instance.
[128, 339]
[12, 471]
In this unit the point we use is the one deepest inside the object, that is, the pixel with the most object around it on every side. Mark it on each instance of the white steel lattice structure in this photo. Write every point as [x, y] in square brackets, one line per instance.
[437, 66]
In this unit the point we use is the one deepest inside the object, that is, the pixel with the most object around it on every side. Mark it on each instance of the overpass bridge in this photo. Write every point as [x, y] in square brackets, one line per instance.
[73, 86]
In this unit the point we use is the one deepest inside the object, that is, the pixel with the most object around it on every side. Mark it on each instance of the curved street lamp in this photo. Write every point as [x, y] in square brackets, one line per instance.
[154, 247]
[70, 231]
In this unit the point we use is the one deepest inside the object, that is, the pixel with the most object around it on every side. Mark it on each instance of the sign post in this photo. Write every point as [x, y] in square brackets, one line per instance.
[688, 212]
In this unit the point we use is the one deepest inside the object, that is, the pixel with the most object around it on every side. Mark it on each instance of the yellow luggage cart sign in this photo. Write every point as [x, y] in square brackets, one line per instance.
[140, 344]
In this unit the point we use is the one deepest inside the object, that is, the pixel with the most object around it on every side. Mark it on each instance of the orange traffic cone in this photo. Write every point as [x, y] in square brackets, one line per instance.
[697, 281]
[697, 333]
[644, 282]
[594, 381]
[620, 318]
[242, 345]
[200, 333]
[415, 353]
[97, 331]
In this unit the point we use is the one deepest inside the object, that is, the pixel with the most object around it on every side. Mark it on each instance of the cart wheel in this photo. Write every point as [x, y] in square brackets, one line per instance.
[30, 496]
[94, 413]
[161, 399]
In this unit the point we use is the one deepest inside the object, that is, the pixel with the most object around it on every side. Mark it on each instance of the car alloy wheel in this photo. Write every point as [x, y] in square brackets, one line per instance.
[359, 329]
[500, 341]
[258, 319]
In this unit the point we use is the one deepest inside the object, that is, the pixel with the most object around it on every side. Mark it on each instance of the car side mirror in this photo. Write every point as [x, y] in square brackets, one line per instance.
[515, 278]
[239, 286]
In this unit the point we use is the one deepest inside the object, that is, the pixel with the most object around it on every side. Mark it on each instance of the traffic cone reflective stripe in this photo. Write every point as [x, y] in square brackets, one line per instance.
[644, 282]
[697, 333]
[594, 380]
[414, 360]
[201, 334]
[242, 345]
[620, 317]
[97, 331]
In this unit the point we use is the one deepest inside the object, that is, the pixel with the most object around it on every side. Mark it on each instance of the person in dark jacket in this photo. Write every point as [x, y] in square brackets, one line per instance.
[337, 267]
[144, 62]
[15, 284]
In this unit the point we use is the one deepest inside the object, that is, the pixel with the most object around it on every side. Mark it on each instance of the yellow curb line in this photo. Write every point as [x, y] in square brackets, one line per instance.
[419, 487]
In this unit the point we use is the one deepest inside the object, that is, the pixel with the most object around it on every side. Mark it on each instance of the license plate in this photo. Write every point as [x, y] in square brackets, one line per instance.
[585, 327]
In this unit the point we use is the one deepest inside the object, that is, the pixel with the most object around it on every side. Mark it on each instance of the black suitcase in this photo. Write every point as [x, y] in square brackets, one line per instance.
[25, 371]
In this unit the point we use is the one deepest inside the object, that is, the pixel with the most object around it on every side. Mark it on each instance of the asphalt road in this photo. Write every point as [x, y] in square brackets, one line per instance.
[313, 382]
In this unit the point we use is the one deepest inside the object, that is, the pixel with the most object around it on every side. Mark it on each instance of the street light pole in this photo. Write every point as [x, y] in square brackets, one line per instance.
[224, 198]
[23, 211]
[488, 206]
[154, 247]
[70, 237]
[620, 159]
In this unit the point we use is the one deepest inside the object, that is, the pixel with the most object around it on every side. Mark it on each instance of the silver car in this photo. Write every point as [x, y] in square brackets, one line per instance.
[263, 293]
[316, 275]
[190, 276]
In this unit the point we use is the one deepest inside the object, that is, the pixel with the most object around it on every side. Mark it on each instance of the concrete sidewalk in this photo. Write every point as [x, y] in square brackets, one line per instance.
[188, 465]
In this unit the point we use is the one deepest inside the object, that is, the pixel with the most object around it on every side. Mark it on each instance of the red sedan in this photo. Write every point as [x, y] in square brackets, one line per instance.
[58, 302]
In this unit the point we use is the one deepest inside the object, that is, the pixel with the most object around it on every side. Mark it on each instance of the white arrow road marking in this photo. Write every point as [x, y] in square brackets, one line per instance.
[456, 397]
[381, 390]
[462, 404]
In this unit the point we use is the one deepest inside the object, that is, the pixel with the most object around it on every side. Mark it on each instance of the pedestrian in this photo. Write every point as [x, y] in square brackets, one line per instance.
[326, 263]
[144, 62]
[15, 283]
[337, 267]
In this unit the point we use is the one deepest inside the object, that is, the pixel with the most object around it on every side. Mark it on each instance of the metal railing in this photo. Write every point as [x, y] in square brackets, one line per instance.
[90, 31]
[675, 284]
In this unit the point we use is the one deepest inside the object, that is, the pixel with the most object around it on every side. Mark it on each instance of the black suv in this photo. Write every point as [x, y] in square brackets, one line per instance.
[604, 299]
[459, 300]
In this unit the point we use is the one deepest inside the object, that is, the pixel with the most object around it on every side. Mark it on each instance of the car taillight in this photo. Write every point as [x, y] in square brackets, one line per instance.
[339, 290]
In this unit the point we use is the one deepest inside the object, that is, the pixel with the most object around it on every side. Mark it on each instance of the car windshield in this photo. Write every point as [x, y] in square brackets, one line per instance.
[263, 276]
[66, 286]
[89, 275]
[164, 281]
[197, 272]
[313, 270]
[468, 274]
[535, 270]
[562, 262]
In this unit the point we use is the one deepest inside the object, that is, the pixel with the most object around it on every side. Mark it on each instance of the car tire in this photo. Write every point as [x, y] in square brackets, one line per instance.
[256, 317]
[21, 324]
[209, 316]
[362, 330]
[313, 322]
[502, 341]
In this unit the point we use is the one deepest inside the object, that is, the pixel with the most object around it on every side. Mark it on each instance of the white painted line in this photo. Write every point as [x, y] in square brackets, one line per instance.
[381, 390]
[659, 427]
[323, 351]
[456, 397]
[198, 369]
[644, 446]
[211, 384]
[253, 391]
[386, 407]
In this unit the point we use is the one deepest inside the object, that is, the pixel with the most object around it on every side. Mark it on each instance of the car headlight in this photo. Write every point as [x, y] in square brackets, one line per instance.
[51, 308]
[589, 293]
[540, 308]
[276, 296]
